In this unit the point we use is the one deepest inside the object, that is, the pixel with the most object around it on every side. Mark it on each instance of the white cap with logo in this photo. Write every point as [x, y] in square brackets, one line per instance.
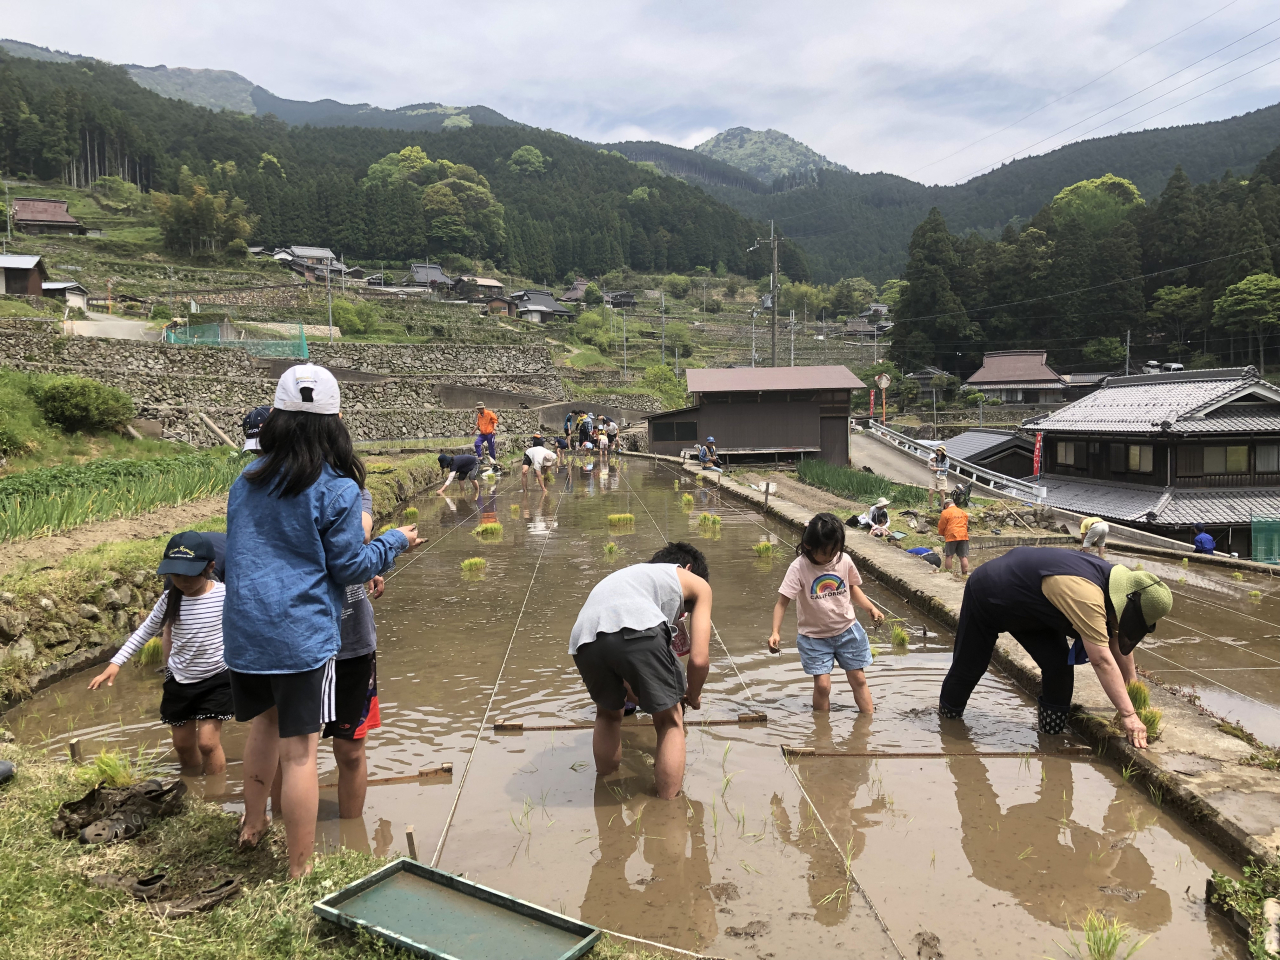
[308, 388]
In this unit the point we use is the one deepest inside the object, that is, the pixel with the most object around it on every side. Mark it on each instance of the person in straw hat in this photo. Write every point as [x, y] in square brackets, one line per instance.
[879, 517]
[1065, 608]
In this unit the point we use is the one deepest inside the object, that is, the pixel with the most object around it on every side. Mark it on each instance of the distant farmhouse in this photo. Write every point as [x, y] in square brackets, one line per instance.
[32, 215]
[537, 305]
[24, 274]
[1018, 376]
[1164, 451]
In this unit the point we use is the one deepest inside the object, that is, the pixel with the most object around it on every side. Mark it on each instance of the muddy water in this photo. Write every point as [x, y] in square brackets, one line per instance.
[992, 855]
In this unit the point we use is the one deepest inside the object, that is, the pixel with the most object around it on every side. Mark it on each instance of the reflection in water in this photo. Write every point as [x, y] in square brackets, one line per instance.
[654, 851]
[1055, 866]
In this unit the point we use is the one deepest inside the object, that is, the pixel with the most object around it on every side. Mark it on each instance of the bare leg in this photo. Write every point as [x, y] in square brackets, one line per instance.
[946, 563]
[606, 741]
[212, 759]
[261, 757]
[861, 691]
[277, 811]
[353, 777]
[822, 692]
[964, 566]
[668, 761]
[300, 796]
[524, 478]
[184, 744]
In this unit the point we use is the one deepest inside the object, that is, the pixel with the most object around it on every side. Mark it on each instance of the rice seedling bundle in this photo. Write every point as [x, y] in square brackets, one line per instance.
[763, 549]
[411, 514]
[50, 499]
[622, 519]
[899, 637]
[489, 531]
[1237, 575]
[474, 565]
[686, 501]
[610, 549]
[515, 510]
[152, 653]
[1140, 697]
[709, 520]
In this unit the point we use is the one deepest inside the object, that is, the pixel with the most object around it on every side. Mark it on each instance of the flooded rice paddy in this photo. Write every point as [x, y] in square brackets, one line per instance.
[993, 855]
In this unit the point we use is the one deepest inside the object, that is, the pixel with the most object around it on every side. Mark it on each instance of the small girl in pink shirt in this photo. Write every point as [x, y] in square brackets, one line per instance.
[825, 585]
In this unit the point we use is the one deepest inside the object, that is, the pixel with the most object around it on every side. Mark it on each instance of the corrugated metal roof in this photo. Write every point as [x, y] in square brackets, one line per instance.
[18, 261]
[316, 252]
[1184, 401]
[751, 379]
[972, 443]
[1014, 368]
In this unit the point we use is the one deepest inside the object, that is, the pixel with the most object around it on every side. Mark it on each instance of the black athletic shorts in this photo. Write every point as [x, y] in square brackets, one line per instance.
[643, 658]
[355, 698]
[527, 461]
[304, 701]
[207, 699]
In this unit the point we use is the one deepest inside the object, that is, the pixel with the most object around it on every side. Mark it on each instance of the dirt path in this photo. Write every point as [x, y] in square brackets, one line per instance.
[47, 551]
[789, 488]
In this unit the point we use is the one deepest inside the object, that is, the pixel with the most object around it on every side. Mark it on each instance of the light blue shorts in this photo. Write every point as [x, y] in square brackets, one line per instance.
[851, 649]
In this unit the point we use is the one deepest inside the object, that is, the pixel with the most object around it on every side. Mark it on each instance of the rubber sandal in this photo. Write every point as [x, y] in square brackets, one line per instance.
[197, 902]
[154, 887]
[7, 772]
[134, 815]
[74, 815]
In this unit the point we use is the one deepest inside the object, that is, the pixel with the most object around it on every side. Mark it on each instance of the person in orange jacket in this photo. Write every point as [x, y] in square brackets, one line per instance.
[486, 428]
[953, 527]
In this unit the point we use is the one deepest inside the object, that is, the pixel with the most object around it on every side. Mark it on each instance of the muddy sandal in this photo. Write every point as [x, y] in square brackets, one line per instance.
[154, 887]
[134, 815]
[197, 902]
[98, 804]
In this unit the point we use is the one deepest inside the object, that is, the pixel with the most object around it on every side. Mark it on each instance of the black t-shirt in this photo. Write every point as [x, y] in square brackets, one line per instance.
[463, 464]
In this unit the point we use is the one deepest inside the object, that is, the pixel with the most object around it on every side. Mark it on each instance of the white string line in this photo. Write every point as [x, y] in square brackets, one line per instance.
[494, 692]
[848, 871]
[1187, 626]
[1187, 596]
[723, 645]
[1216, 683]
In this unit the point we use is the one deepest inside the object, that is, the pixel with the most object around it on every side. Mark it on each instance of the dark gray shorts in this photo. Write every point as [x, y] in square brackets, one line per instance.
[641, 658]
[955, 548]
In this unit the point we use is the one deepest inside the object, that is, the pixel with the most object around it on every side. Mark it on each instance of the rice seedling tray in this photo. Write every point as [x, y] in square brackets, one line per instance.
[434, 914]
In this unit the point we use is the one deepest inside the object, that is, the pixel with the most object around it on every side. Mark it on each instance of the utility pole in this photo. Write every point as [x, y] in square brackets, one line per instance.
[773, 286]
[328, 292]
[624, 348]
[792, 326]
[662, 299]
[1127, 335]
[753, 337]
[8, 218]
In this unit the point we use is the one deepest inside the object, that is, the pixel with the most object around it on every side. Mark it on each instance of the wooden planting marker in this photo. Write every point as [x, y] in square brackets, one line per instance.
[753, 718]
[73, 750]
[790, 751]
[442, 769]
[408, 838]
[514, 726]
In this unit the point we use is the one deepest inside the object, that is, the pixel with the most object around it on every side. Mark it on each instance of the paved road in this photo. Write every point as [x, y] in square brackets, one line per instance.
[886, 461]
[105, 325]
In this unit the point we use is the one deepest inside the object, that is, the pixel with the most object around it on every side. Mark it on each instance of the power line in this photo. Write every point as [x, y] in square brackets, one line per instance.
[1199, 95]
[1073, 92]
[1149, 86]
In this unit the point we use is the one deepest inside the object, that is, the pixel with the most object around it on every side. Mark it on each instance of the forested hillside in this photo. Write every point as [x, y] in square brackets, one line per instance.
[564, 207]
[1204, 258]
[858, 224]
[765, 154]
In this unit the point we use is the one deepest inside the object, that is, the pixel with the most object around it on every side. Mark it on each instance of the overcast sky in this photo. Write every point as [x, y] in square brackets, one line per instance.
[897, 86]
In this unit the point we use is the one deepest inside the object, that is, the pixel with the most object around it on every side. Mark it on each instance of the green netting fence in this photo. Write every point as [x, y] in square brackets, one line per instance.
[1266, 539]
[240, 337]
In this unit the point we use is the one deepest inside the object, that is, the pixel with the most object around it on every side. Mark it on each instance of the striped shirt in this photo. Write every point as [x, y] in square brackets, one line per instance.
[196, 653]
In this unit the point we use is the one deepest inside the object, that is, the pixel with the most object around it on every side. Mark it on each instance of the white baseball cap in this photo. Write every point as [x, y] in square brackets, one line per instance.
[308, 388]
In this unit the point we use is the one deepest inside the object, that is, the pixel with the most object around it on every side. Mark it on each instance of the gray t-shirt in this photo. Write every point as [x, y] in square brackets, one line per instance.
[358, 635]
[636, 597]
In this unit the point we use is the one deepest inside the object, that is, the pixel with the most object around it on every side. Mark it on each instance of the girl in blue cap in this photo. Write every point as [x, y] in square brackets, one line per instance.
[197, 684]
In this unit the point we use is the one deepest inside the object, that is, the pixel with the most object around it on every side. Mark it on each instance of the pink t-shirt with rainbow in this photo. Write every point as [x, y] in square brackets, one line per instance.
[821, 593]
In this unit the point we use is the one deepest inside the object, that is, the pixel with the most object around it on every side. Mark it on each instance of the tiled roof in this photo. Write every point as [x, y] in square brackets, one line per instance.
[1114, 501]
[31, 210]
[1221, 506]
[317, 253]
[1135, 503]
[973, 443]
[424, 273]
[1020, 367]
[749, 379]
[1189, 402]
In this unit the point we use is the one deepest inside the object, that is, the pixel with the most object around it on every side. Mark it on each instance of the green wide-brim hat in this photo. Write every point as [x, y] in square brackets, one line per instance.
[1157, 598]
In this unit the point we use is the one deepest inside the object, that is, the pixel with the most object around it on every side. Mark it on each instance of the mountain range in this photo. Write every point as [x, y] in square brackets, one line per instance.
[848, 223]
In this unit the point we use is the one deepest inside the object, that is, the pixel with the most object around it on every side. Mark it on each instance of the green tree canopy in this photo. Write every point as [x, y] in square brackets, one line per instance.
[1099, 204]
[527, 160]
[1252, 307]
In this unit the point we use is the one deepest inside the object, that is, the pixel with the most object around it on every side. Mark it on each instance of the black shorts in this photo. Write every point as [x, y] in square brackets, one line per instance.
[207, 699]
[304, 701]
[527, 462]
[355, 698]
[642, 658]
[955, 548]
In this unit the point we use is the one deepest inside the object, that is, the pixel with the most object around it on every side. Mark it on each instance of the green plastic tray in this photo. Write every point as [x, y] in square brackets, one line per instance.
[435, 914]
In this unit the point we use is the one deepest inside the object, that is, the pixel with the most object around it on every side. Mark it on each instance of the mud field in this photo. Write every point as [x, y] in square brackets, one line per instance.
[991, 855]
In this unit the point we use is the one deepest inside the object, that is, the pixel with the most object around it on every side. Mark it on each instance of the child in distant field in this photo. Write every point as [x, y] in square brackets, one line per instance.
[197, 684]
[825, 585]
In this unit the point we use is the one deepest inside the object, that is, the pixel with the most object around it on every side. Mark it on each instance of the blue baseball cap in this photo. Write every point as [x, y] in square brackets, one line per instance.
[252, 426]
[187, 554]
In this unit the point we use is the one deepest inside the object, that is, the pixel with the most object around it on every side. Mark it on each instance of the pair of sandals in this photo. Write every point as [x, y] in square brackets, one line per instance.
[156, 888]
[107, 814]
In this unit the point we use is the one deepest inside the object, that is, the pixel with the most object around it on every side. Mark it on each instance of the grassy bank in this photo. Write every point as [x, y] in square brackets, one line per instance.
[858, 484]
[1246, 896]
[49, 909]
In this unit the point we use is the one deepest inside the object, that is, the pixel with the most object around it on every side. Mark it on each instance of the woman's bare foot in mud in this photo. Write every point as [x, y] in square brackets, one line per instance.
[249, 839]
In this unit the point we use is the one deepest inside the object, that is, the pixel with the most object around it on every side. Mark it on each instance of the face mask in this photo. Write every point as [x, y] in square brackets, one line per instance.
[1133, 625]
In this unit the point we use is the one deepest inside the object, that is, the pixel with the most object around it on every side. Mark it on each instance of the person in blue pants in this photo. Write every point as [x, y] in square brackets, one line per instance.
[486, 431]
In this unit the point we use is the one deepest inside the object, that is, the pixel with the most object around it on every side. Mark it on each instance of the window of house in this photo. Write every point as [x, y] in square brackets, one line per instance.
[675, 430]
[1234, 459]
[1141, 456]
[1117, 458]
[1066, 453]
[1215, 459]
[1238, 459]
[1268, 457]
[1190, 461]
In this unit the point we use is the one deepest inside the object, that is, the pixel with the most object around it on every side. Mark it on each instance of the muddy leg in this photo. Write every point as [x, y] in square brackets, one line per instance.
[353, 777]
[606, 742]
[668, 761]
[184, 744]
[261, 757]
[822, 692]
[300, 798]
[212, 759]
[861, 690]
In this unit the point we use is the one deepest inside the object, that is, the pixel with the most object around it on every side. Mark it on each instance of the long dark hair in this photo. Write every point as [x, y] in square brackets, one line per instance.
[296, 445]
[823, 532]
[172, 605]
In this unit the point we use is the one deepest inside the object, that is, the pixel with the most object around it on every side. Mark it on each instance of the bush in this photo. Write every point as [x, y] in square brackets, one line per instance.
[677, 285]
[237, 249]
[161, 311]
[731, 289]
[592, 295]
[78, 403]
[714, 305]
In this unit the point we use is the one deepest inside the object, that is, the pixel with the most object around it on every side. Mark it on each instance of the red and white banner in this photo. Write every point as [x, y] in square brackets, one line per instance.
[873, 403]
[1035, 466]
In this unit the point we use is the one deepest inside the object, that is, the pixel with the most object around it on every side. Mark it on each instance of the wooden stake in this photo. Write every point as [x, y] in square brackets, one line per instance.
[73, 749]
[413, 847]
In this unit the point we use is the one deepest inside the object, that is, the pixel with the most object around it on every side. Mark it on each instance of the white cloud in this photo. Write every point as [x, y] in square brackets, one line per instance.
[874, 86]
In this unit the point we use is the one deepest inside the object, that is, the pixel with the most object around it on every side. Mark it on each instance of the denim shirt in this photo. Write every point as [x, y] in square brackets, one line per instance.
[289, 560]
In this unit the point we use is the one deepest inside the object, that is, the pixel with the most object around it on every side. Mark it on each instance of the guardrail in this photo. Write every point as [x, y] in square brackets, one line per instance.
[963, 468]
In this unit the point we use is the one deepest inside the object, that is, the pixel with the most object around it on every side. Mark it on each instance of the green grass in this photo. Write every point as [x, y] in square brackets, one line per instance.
[591, 359]
[50, 499]
[858, 485]
[1260, 881]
